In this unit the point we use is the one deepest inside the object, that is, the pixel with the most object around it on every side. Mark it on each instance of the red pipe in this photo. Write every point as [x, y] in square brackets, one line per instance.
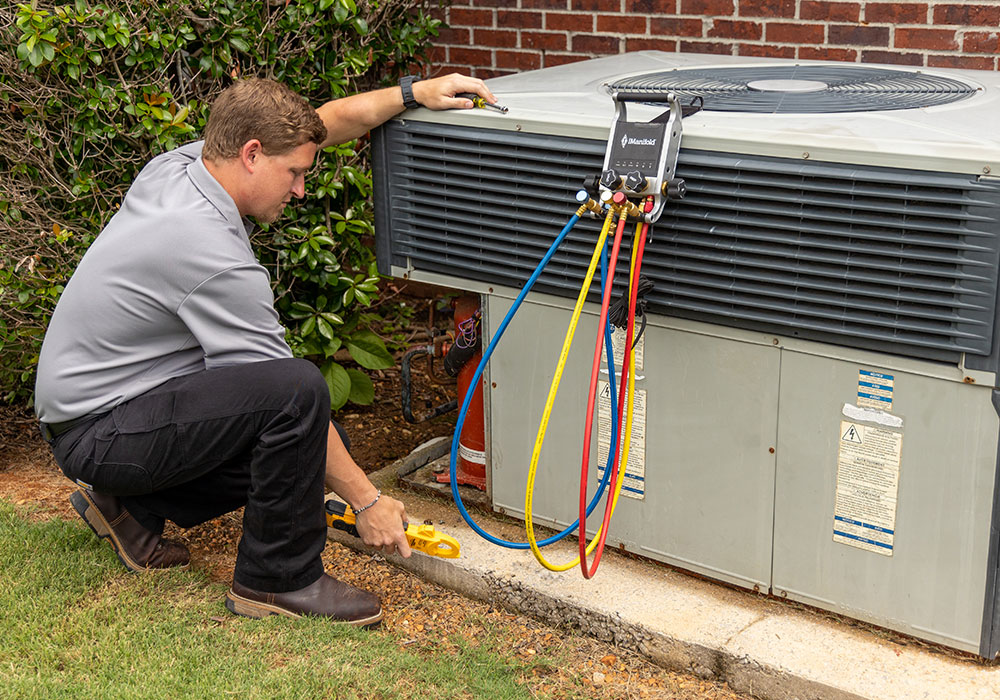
[615, 476]
[592, 395]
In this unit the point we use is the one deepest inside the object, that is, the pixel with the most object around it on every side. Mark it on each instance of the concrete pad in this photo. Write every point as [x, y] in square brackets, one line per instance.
[760, 646]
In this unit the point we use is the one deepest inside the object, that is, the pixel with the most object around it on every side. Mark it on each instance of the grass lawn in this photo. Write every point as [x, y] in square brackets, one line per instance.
[74, 624]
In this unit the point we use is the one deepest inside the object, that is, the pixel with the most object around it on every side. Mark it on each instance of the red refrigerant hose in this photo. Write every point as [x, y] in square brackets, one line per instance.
[633, 289]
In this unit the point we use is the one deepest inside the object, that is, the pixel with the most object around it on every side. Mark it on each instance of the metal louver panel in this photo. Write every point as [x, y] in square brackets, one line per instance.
[895, 260]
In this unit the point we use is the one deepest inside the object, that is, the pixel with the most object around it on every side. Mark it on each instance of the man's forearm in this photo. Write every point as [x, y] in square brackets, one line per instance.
[349, 117]
[381, 522]
[344, 476]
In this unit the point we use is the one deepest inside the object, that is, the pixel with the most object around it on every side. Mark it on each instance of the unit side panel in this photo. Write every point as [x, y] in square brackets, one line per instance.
[711, 406]
[933, 583]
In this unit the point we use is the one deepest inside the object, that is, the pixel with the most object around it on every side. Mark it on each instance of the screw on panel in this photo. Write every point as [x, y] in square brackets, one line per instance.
[784, 594]
[987, 170]
[756, 588]
[494, 385]
[771, 450]
[517, 126]
[969, 380]
[490, 290]
[805, 154]
[775, 341]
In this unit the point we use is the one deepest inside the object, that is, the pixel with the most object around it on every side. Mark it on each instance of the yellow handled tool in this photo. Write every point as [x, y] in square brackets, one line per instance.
[481, 103]
[422, 538]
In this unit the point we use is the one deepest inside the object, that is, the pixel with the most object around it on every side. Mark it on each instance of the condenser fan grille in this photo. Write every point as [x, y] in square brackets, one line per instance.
[803, 89]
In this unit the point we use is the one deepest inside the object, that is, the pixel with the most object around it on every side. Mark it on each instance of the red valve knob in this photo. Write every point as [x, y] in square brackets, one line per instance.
[618, 198]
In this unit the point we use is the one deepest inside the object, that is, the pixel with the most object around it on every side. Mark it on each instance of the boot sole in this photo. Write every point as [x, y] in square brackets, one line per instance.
[256, 609]
[96, 521]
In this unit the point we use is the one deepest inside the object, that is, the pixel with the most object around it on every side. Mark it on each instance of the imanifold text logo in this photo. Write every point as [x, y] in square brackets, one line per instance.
[626, 141]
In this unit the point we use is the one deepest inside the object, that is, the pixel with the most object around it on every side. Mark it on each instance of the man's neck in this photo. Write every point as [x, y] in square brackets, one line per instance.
[223, 173]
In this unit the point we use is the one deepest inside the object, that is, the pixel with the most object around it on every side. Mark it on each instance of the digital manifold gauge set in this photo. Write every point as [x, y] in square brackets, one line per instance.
[641, 157]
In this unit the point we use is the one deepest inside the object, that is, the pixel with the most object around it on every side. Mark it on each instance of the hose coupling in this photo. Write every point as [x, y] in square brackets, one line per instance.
[587, 204]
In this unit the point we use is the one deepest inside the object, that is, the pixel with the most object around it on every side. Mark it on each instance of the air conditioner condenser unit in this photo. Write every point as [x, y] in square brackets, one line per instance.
[816, 410]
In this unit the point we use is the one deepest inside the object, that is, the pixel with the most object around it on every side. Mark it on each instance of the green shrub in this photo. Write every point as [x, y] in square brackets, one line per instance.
[90, 91]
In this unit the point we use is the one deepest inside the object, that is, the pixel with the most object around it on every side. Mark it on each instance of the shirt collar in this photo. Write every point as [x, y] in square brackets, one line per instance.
[216, 194]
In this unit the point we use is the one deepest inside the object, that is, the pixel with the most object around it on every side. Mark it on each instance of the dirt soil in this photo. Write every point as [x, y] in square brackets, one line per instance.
[417, 612]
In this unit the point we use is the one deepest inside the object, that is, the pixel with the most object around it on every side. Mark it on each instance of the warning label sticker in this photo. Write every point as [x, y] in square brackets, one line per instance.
[864, 514]
[875, 390]
[618, 345]
[635, 470]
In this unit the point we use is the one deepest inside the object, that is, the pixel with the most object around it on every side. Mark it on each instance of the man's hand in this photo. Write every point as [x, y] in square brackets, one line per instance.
[381, 526]
[439, 93]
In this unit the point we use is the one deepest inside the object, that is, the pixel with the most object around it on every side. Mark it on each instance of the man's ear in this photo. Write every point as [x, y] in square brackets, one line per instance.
[250, 154]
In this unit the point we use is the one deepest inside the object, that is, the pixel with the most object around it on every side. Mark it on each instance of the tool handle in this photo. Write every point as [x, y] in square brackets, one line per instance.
[641, 96]
[423, 538]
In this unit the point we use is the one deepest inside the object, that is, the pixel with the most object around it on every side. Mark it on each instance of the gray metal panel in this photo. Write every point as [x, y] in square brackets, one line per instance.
[934, 584]
[886, 259]
[989, 645]
[711, 406]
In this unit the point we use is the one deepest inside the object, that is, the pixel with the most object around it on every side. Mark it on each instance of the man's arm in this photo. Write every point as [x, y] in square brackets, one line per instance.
[379, 526]
[350, 117]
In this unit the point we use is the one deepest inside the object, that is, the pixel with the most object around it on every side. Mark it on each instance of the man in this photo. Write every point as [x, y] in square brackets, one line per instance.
[165, 386]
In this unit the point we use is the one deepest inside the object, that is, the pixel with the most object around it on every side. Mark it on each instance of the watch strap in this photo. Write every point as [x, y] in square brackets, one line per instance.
[406, 85]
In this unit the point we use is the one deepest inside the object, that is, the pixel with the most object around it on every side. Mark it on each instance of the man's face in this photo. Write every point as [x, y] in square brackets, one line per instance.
[278, 178]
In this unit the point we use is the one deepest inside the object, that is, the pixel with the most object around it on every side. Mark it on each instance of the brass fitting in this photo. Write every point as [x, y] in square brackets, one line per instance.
[591, 206]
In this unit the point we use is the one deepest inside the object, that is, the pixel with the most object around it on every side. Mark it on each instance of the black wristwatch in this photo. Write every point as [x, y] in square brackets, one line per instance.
[406, 85]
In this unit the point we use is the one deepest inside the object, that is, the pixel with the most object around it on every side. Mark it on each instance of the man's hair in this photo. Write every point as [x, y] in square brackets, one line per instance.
[260, 109]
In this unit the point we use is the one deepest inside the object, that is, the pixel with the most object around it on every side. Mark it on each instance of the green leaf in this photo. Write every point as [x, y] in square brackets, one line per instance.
[362, 389]
[308, 326]
[181, 115]
[339, 382]
[332, 346]
[369, 351]
[324, 327]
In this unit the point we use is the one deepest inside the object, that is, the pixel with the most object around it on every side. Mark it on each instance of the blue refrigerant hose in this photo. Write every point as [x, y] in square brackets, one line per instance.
[478, 377]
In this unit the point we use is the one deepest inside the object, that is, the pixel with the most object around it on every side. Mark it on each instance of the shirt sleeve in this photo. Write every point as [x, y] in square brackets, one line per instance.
[231, 315]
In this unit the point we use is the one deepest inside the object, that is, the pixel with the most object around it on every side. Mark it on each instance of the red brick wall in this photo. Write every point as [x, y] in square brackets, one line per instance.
[487, 38]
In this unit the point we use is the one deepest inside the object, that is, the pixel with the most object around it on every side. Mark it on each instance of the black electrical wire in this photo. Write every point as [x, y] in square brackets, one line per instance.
[618, 311]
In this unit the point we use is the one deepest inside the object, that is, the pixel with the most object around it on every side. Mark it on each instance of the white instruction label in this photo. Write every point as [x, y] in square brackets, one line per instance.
[867, 482]
[875, 390]
[635, 471]
[618, 345]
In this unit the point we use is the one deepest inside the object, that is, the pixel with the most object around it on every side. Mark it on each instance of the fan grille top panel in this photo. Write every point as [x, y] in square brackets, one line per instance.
[902, 261]
[803, 89]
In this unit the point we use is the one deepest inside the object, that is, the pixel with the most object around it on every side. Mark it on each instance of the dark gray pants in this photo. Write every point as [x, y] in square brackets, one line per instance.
[208, 443]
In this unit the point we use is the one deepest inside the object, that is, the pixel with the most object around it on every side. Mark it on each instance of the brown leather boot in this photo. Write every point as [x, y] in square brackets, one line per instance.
[327, 597]
[136, 547]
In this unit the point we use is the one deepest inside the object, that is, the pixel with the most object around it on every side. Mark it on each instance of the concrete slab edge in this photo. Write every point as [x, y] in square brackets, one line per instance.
[742, 673]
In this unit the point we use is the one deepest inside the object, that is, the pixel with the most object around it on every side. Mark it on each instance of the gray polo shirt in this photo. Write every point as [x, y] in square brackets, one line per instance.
[171, 286]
